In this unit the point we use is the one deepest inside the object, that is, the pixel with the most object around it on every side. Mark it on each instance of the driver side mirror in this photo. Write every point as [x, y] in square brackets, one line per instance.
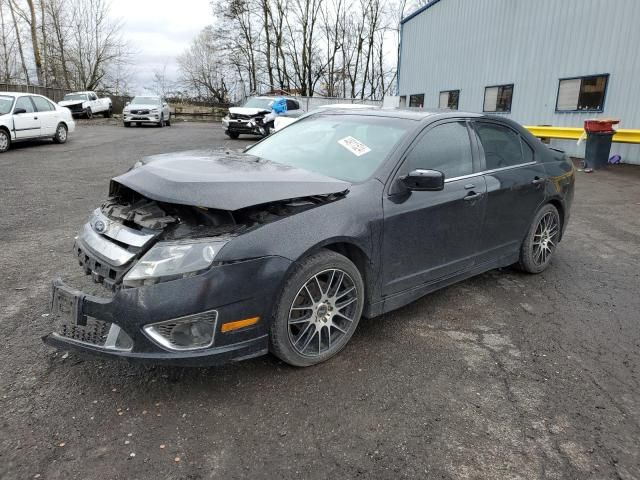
[128, 103]
[18, 111]
[423, 180]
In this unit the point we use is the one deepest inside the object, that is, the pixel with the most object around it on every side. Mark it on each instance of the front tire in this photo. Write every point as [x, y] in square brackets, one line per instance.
[127, 124]
[233, 135]
[161, 122]
[61, 134]
[5, 141]
[541, 241]
[108, 113]
[169, 120]
[318, 310]
[89, 113]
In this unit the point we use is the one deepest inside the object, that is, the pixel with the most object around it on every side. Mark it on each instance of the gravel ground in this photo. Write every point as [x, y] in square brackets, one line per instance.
[503, 376]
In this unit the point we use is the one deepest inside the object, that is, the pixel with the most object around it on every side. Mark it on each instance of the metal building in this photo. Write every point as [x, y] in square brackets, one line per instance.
[543, 62]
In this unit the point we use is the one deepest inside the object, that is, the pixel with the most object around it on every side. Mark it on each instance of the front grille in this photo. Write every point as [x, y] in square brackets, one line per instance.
[238, 116]
[77, 108]
[140, 112]
[95, 332]
[100, 271]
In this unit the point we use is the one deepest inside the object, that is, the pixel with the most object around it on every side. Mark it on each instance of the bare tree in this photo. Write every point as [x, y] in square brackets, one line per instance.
[202, 67]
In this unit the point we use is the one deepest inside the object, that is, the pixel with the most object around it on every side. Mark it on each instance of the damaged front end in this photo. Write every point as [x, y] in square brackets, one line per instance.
[153, 289]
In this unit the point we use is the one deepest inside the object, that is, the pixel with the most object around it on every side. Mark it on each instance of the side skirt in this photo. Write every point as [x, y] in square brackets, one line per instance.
[401, 299]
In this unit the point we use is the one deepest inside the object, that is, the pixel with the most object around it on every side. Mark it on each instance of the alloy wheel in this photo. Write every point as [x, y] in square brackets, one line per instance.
[322, 313]
[62, 133]
[4, 142]
[545, 238]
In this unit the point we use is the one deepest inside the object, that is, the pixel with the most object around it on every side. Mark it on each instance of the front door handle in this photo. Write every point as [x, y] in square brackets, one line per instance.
[537, 181]
[472, 196]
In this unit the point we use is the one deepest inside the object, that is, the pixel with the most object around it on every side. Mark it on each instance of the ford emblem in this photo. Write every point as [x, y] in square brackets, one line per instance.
[99, 226]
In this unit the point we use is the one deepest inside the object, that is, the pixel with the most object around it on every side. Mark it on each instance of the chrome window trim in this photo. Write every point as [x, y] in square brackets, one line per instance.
[494, 170]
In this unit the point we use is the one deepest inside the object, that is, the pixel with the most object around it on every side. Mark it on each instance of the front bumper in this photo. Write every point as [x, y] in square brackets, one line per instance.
[141, 118]
[247, 127]
[235, 291]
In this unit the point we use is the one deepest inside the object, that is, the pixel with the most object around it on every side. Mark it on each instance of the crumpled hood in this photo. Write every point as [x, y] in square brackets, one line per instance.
[248, 110]
[68, 103]
[223, 180]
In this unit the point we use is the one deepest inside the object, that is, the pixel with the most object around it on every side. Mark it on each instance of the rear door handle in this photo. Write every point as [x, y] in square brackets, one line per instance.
[537, 181]
[472, 196]
[35, 118]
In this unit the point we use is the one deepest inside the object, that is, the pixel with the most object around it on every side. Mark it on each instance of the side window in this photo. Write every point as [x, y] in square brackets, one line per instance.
[527, 152]
[445, 148]
[502, 146]
[93, 96]
[42, 104]
[292, 105]
[25, 102]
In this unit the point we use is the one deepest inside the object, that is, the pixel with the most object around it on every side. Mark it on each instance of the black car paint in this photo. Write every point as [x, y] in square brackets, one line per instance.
[405, 243]
[223, 180]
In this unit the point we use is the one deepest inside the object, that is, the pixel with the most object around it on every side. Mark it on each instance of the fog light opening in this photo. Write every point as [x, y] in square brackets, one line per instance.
[196, 334]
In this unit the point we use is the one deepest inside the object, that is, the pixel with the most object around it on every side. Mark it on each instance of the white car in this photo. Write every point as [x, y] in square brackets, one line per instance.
[256, 118]
[26, 117]
[87, 104]
[147, 109]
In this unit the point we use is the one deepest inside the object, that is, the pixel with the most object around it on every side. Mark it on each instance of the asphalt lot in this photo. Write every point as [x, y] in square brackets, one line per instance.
[503, 376]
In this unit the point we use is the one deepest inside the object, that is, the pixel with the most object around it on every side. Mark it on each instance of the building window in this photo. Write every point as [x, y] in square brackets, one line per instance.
[582, 94]
[416, 100]
[449, 99]
[498, 98]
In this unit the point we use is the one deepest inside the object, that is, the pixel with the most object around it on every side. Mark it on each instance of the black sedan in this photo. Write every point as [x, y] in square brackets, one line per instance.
[203, 257]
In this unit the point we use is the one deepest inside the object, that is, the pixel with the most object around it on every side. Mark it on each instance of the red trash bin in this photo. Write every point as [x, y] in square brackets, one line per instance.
[599, 137]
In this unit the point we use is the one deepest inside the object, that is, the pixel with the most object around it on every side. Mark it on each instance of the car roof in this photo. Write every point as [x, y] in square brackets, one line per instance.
[406, 113]
[18, 94]
[271, 97]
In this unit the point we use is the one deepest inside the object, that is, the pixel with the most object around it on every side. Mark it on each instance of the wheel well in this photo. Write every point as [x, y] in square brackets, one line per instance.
[6, 130]
[558, 204]
[356, 255]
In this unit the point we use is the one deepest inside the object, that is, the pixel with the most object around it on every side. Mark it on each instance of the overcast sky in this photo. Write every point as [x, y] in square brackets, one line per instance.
[159, 30]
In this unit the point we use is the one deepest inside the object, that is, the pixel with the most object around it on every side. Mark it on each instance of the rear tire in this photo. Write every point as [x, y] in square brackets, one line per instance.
[318, 309]
[5, 141]
[541, 241]
[233, 135]
[61, 134]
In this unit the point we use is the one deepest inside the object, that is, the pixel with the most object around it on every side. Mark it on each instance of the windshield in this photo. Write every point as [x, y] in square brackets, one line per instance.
[75, 96]
[347, 147]
[145, 101]
[5, 104]
[259, 103]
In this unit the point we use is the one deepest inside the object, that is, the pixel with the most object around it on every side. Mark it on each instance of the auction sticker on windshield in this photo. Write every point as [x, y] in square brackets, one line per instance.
[354, 146]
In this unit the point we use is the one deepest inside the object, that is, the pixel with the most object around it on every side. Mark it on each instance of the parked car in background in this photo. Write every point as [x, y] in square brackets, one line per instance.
[87, 104]
[255, 116]
[204, 257]
[147, 109]
[281, 122]
[27, 117]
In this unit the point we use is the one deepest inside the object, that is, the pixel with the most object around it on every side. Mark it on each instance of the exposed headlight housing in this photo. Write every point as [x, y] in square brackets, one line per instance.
[154, 110]
[172, 260]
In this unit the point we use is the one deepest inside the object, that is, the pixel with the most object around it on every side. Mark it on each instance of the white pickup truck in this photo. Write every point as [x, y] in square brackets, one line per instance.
[87, 104]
